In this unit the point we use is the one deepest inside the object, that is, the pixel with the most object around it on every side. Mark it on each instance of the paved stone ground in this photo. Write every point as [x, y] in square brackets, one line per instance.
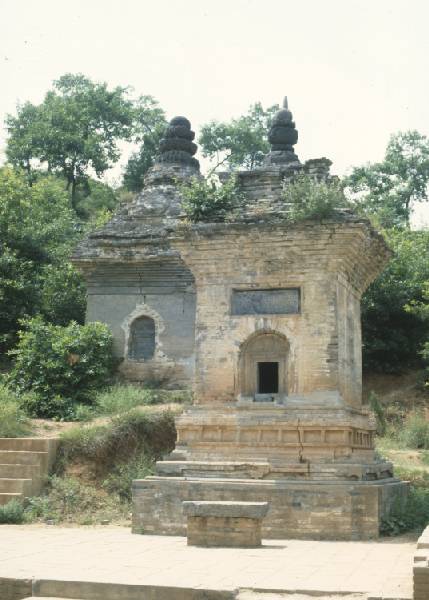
[114, 555]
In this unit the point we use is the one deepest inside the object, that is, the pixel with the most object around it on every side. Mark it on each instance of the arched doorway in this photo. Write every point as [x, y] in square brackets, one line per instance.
[264, 366]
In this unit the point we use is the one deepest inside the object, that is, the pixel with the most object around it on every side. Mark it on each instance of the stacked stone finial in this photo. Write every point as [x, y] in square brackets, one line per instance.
[282, 136]
[177, 146]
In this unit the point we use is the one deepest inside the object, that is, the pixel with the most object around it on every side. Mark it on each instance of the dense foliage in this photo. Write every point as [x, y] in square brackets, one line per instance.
[387, 189]
[150, 124]
[74, 130]
[38, 230]
[393, 335]
[61, 366]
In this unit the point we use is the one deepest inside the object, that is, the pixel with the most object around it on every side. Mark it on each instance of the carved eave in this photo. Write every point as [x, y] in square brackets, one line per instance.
[346, 244]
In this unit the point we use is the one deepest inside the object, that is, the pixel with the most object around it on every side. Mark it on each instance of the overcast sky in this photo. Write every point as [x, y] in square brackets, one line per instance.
[355, 71]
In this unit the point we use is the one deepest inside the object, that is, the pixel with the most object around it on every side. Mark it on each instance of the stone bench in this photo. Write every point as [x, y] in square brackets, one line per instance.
[224, 524]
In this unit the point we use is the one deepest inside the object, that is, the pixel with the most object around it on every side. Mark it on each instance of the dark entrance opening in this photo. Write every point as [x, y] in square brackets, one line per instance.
[268, 377]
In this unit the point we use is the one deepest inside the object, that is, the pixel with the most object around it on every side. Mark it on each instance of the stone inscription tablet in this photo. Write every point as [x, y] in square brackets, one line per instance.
[262, 302]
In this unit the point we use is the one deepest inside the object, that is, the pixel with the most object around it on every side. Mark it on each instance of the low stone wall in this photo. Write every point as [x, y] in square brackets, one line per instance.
[15, 589]
[421, 567]
[300, 510]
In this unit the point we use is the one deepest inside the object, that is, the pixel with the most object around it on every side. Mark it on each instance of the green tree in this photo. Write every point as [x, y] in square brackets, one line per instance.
[421, 310]
[388, 189]
[38, 230]
[239, 143]
[25, 136]
[75, 131]
[392, 334]
[149, 127]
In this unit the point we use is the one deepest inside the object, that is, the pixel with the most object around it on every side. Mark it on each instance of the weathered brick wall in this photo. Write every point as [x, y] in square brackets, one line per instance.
[325, 262]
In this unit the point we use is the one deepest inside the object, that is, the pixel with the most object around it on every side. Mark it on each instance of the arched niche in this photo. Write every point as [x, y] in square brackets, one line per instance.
[141, 341]
[263, 366]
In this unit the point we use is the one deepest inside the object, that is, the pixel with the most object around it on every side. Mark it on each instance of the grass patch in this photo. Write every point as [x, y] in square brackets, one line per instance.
[405, 445]
[13, 420]
[69, 500]
[415, 432]
[120, 399]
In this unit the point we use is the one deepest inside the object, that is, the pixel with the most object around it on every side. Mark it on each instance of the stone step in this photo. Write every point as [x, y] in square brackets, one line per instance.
[5, 498]
[92, 590]
[16, 486]
[24, 457]
[28, 443]
[242, 469]
[20, 471]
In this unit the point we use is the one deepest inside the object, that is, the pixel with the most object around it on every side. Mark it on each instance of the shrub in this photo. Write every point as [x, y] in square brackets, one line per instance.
[309, 199]
[69, 500]
[119, 481]
[12, 513]
[412, 512]
[378, 410]
[205, 201]
[13, 420]
[415, 432]
[61, 365]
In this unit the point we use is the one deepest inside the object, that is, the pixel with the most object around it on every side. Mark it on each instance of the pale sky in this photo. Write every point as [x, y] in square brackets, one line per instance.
[355, 71]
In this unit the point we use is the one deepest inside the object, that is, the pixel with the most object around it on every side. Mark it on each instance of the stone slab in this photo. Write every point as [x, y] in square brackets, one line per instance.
[90, 558]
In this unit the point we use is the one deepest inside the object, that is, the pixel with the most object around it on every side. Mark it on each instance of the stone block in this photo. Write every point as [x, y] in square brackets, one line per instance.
[224, 524]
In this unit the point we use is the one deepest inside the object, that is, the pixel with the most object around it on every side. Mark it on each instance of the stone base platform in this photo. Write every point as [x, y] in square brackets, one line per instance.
[328, 510]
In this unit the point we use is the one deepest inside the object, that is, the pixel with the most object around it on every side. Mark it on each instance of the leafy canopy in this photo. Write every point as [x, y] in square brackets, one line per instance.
[38, 230]
[387, 189]
[150, 123]
[74, 131]
[239, 143]
[392, 334]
